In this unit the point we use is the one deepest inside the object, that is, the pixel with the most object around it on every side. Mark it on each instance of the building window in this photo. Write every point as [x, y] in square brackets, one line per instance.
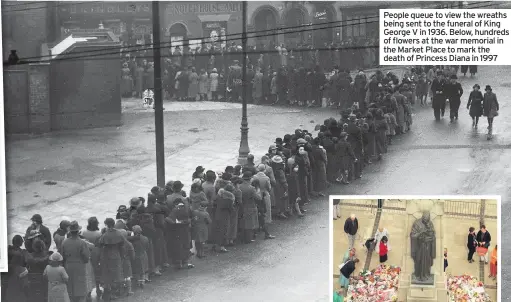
[355, 26]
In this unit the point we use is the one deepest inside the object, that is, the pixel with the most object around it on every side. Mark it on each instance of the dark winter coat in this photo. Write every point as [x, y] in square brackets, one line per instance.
[351, 226]
[224, 206]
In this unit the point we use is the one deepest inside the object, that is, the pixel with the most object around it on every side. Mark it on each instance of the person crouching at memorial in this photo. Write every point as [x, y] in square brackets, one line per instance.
[383, 249]
[347, 269]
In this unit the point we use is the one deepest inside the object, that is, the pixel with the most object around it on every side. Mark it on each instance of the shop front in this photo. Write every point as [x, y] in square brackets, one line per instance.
[323, 17]
[201, 24]
[295, 19]
[129, 21]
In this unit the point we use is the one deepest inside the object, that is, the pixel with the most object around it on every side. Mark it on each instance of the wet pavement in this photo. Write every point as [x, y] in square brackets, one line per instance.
[93, 171]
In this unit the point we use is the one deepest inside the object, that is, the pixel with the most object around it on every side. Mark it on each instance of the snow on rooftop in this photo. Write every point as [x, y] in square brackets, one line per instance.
[66, 43]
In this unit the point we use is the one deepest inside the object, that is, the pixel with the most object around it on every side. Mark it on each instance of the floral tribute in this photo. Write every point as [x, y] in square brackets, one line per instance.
[466, 288]
[378, 285]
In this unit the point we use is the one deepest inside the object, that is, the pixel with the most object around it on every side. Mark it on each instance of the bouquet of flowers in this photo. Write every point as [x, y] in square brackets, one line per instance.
[466, 288]
[378, 285]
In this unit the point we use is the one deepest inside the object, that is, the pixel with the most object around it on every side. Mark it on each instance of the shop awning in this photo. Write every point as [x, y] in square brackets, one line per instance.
[214, 18]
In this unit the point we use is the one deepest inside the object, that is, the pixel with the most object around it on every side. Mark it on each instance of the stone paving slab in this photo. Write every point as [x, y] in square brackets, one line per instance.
[102, 201]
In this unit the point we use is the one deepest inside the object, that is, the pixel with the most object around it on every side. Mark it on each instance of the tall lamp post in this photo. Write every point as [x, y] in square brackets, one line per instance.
[244, 148]
[158, 98]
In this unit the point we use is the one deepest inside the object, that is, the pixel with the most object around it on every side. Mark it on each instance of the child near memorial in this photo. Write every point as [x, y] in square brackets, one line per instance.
[446, 263]
[383, 249]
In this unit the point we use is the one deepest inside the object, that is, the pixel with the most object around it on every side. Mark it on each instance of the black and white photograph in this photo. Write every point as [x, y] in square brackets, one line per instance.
[186, 150]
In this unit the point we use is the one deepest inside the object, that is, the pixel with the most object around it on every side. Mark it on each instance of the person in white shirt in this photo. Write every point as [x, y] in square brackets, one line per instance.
[380, 233]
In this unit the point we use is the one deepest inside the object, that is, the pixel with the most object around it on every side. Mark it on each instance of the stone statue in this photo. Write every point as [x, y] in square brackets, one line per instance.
[423, 247]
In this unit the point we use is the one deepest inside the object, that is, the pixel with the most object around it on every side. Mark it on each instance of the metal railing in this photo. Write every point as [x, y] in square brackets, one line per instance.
[452, 208]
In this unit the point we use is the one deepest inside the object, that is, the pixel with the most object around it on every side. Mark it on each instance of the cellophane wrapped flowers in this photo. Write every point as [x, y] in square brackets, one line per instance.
[466, 288]
[378, 285]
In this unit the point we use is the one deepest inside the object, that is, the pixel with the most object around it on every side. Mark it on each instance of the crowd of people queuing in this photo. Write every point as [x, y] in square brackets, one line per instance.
[210, 72]
[222, 209]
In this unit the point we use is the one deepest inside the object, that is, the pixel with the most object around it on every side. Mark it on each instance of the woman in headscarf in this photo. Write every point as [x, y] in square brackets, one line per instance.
[76, 255]
[36, 263]
[111, 243]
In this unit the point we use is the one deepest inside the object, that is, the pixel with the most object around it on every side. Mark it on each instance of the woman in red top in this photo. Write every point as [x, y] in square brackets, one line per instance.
[383, 249]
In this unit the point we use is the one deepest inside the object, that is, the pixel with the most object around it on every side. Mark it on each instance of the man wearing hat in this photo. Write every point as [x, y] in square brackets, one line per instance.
[437, 87]
[490, 108]
[453, 92]
[355, 139]
[75, 251]
[250, 165]
[235, 81]
[37, 230]
[249, 221]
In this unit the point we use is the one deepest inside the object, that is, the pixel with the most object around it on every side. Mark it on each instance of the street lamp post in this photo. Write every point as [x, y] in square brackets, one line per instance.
[158, 98]
[244, 148]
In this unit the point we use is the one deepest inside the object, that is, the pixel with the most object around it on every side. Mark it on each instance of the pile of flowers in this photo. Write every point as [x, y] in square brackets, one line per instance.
[378, 285]
[466, 288]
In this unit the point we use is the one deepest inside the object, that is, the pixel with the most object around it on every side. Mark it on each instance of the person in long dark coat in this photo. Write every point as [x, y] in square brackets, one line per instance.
[249, 221]
[475, 105]
[355, 139]
[179, 230]
[453, 92]
[490, 106]
[17, 285]
[346, 157]
[139, 80]
[281, 185]
[140, 264]
[76, 255]
[36, 263]
[37, 231]
[224, 206]
[320, 159]
[111, 244]
[473, 70]
[236, 213]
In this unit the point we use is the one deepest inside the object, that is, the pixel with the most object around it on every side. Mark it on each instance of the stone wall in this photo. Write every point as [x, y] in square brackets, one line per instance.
[86, 91]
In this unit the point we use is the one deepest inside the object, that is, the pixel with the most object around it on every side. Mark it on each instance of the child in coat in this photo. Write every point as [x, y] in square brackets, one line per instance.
[57, 278]
[200, 227]
[140, 263]
[383, 249]
[446, 263]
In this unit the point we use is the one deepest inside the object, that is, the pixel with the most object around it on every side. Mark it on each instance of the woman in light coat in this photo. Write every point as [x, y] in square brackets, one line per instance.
[257, 88]
[213, 84]
[203, 85]
[193, 89]
[380, 233]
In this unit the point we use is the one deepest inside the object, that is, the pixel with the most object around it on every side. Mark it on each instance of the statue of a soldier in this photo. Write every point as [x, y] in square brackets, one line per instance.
[423, 247]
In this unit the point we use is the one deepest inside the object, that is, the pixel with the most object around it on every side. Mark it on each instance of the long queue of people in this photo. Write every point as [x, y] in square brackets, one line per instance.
[173, 228]
[205, 73]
